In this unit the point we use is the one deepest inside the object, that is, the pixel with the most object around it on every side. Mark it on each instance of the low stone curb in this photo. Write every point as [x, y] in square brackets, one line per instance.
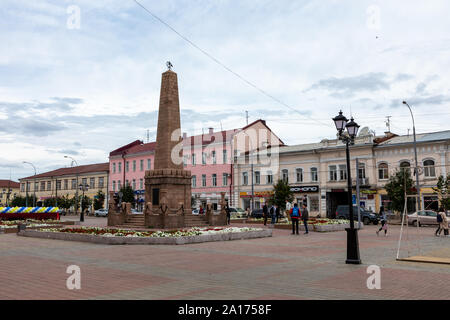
[146, 240]
[334, 227]
[14, 230]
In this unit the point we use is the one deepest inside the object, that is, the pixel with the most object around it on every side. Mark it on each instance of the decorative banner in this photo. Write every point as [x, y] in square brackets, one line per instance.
[28, 209]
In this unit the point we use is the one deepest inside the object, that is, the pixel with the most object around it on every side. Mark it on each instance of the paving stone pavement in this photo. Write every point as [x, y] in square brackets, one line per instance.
[284, 266]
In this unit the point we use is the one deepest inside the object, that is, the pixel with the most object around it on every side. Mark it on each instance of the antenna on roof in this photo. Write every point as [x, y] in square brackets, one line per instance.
[221, 128]
[246, 116]
[148, 135]
[388, 123]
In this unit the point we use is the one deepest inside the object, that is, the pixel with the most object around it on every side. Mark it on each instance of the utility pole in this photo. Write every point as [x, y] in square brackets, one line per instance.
[246, 116]
[253, 196]
[357, 194]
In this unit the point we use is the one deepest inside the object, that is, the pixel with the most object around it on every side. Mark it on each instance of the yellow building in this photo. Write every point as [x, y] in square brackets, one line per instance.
[8, 191]
[66, 182]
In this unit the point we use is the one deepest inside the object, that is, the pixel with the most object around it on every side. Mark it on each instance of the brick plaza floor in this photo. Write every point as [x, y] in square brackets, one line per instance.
[282, 267]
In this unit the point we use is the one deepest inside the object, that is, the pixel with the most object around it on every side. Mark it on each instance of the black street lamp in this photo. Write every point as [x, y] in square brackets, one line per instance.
[352, 127]
[83, 187]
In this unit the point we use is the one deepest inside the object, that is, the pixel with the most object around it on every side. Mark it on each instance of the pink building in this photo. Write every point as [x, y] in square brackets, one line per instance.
[208, 156]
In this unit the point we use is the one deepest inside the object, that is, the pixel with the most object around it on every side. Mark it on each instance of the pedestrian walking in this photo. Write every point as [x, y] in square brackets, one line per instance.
[443, 222]
[265, 213]
[278, 213]
[201, 210]
[248, 212]
[228, 211]
[305, 216]
[273, 214]
[295, 216]
[383, 220]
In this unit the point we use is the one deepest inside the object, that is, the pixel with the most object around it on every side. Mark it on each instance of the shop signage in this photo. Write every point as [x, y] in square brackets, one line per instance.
[300, 189]
[368, 191]
[256, 194]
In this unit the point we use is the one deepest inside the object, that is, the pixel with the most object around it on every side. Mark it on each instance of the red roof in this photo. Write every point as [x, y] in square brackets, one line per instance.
[135, 147]
[97, 167]
[208, 138]
[9, 184]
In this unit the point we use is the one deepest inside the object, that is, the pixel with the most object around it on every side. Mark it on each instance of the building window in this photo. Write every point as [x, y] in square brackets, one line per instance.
[362, 171]
[141, 184]
[114, 185]
[101, 182]
[42, 185]
[257, 177]
[213, 154]
[66, 184]
[429, 169]
[114, 167]
[343, 172]
[194, 181]
[36, 186]
[74, 184]
[127, 166]
[333, 173]
[314, 176]
[134, 165]
[58, 184]
[285, 175]
[214, 180]
[244, 178]
[269, 179]
[119, 185]
[383, 171]
[184, 160]
[141, 165]
[299, 173]
[193, 159]
[203, 158]
[224, 154]
[203, 180]
[49, 185]
[225, 179]
[149, 164]
[406, 166]
[22, 187]
[92, 183]
[84, 182]
[120, 167]
[134, 184]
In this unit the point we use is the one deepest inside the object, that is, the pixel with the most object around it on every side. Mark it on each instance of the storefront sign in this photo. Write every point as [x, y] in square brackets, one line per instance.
[256, 194]
[301, 189]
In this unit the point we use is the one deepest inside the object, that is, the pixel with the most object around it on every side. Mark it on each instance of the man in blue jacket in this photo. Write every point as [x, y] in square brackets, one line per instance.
[295, 216]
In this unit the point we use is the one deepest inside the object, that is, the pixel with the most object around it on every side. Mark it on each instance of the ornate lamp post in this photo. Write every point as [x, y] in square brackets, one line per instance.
[352, 127]
[83, 187]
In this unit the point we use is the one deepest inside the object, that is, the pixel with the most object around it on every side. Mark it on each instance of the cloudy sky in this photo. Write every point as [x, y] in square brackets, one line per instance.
[83, 87]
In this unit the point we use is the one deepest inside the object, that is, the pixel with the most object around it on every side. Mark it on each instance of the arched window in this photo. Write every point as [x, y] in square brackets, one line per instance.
[285, 175]
[429, 169]
[383, 171]
[405, 165]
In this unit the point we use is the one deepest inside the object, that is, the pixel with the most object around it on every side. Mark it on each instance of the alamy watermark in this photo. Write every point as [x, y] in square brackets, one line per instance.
[74, 18]
[374, 280]
[74, 280]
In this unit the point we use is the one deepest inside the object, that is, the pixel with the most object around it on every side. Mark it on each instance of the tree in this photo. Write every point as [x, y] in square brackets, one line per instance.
[127, 194]
[395, 189]
[99, 200]
[282, 194]
[20, 201]
[86, 202]
[443, 191]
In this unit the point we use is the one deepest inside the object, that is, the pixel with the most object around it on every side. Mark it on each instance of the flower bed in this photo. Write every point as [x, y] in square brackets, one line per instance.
[120, 236]
[11, 226]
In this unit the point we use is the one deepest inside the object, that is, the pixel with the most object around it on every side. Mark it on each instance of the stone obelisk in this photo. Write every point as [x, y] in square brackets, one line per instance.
[168, 186]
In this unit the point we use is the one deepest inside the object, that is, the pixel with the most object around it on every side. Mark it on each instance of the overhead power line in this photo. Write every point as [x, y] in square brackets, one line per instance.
[227, 68]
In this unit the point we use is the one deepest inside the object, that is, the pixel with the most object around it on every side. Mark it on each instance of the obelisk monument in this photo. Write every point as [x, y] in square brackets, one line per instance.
[168, 186]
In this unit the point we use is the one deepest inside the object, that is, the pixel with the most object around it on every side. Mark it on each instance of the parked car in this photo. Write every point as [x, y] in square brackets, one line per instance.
[257, 213]
[237, 212]
[426, 217]
[367, 217]
[101, 212]
[195, 211]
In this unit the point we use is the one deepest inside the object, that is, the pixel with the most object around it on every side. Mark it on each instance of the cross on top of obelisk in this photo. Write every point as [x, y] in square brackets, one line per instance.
[169, 65]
